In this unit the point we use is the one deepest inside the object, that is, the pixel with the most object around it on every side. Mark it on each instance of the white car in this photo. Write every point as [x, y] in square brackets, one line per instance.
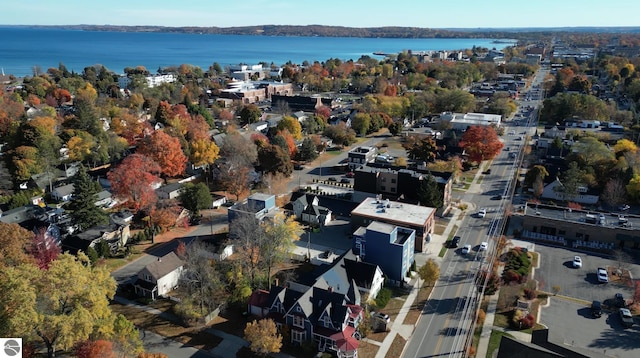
[466, 249]
[577, 262]
[483, 246]
[602, 275]
[482, 213]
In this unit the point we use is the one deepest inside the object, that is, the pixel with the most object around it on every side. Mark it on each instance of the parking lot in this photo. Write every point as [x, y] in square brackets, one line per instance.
[556, 269]
[571, 323]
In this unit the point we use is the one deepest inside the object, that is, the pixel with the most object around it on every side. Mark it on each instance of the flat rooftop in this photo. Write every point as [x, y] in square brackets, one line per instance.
[603, 219]
[401, 214]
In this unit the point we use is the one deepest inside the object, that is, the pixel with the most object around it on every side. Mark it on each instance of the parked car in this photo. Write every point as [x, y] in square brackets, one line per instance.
[620, 301]
[483, 246]
[379, 315]
[482, 213]
[603, 276]
[298, 167]
[596, 309]
[466, 249]
[332, 179]
[455, 242]
[577, 262]
[626, 317]
[345, 180]
[624, 207]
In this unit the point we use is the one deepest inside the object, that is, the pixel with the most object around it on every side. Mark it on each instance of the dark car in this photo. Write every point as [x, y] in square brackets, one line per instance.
[332, 179]
[345, 180]
[298, 167]
[596, 309]
[455, 242]
[620, 301]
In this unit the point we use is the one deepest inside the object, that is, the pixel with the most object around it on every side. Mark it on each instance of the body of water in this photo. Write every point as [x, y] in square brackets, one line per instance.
[24, 49]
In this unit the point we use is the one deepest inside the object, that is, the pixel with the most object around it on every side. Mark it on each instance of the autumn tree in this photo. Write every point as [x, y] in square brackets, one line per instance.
[132, 181]
[481, 143]
[274, 159]
[535, 178]
[614, 192]
[83, 209]
[263, 337]
[125, 337]
[292, 125]
[43, 305]
[624, 146]
[94, 349]
[14, 244]
[429, 272]
[203, 152]
[195, 197]
[166, 151]
[23, 162]
[281, 232]
[422, 149]
[44, 249]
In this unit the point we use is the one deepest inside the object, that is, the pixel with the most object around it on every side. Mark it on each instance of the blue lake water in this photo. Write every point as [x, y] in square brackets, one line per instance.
[23, 49]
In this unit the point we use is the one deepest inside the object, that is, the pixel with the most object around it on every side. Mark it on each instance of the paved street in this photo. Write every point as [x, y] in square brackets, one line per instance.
[156, 343]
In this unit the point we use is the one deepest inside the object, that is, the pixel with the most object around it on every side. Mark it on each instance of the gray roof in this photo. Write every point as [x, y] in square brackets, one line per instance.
[65, 189]
[169, 188]
[164, 265]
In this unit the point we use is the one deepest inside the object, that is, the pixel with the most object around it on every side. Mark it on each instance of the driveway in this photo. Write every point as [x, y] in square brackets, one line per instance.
[571, 323]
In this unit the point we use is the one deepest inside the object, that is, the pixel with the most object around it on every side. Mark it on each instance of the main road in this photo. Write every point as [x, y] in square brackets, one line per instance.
[446, 325]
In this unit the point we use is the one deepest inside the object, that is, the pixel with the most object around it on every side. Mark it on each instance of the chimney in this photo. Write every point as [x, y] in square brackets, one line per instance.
[330, 289]
[159, 259]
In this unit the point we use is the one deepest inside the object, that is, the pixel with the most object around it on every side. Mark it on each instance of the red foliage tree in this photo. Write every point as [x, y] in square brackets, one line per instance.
[94, 349]
[481, 143]
[132, 181]
[181, 250]
[323, 111]
[44, 249]
[197, 128]
[166, 151]
[259, 139]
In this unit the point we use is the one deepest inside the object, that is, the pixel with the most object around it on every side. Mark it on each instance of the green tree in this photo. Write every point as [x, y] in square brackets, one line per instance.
[429, 272]
[195, 197]
[429, 193]
[274, 160]
[361, 123]
[62, 306]
[82, 205]
[423, 149]
[250, 114]
[572, 179]
[308, 150]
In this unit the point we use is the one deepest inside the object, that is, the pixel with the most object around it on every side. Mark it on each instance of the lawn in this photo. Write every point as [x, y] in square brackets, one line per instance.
[397, 346]
[192, 336]
[416, 308]
[366, 349]
[494, 341]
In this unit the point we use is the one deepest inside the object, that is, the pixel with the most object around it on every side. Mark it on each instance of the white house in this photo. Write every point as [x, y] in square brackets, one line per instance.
[159, 277]
[63, 193]
[555, 191]
[306, 208]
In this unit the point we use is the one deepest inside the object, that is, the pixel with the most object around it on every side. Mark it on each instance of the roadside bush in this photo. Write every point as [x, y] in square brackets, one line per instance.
[510, 276]
[530, 294]
[383, 298]
[527, 322]
[481, 317]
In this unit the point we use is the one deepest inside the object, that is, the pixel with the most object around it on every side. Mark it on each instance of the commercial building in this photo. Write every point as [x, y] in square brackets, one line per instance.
[361, 156]
[414, 217]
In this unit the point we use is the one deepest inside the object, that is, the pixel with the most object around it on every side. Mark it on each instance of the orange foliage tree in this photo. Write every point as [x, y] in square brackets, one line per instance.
[481, 143]
[94, 349]
[132, 181]
[166, 151]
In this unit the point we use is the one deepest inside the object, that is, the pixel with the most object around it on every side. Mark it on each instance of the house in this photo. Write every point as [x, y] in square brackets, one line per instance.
[361, 156]
[160, 277]
[348, 270]
[218, 200]
[63, 193]
[302, 103]
[305, 207]
[414, 217]
[169, 191]
[115, 235]
[222, 252]
[388, 246]
[555, 191]
[103, 198]
[319, 314]
[257, 206]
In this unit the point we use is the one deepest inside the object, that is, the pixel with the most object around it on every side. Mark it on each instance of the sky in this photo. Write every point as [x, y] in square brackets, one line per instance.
[350, 13]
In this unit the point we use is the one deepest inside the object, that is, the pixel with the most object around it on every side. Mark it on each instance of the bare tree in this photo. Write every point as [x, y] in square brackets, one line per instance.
[614, 192]
[623, 261]
[246, 231]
